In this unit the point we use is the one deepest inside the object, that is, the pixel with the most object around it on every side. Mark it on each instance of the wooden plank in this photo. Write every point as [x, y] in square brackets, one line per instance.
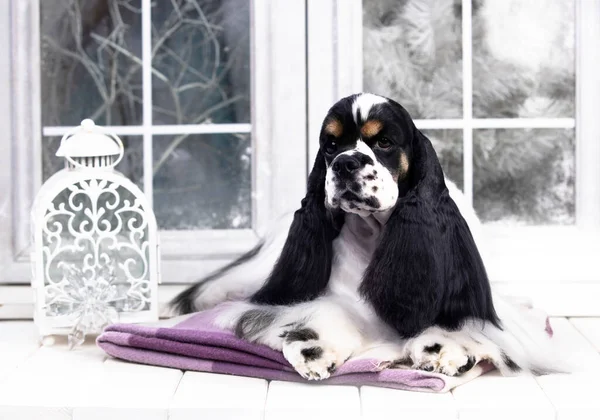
[38, 413]
[19, 341]
[557, 299]
[291, 401]
[59, 384]
[575, 397]
[127, 391]
[50, 383]
[576, 299]
[16, 301]
[589, 328]
[218, 397]
[9, 311]
[382, 403]
[574, 347]
[493, 396]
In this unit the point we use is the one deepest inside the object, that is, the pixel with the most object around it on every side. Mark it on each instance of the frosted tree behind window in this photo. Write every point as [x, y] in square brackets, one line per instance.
[523, 67]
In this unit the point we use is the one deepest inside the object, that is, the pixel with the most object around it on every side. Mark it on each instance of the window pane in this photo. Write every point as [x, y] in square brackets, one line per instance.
[130, 165]
[448, 145]
[90, 62]
[524, 176]
[412, 52]
[201, 61]
[203, 181]
[524, 58]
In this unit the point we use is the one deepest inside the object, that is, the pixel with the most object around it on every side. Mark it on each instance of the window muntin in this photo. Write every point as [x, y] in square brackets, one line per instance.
[173, 79]
[497, 77]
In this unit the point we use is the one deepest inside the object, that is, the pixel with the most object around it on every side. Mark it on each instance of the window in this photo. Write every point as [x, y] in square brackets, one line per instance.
[208, 96]
[174, 81]
[507, 98]
[503, 73]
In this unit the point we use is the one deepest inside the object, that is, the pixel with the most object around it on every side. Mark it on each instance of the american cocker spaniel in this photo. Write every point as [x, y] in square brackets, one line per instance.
[379, 261]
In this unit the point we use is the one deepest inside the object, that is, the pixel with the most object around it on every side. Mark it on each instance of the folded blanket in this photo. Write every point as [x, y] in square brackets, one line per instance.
[192, 342]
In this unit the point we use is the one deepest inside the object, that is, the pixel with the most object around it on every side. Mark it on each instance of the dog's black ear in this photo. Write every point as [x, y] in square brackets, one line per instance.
[427, 269]
[303, 269]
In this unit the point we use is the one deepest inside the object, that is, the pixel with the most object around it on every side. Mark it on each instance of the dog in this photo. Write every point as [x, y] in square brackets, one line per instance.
[378, 262]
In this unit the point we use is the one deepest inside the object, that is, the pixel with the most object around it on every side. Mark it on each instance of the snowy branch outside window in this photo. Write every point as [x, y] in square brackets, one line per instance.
[92, 64]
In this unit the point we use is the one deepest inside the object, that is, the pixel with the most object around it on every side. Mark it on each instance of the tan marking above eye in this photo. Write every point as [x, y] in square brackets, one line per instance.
[371, 128]
[334, 127]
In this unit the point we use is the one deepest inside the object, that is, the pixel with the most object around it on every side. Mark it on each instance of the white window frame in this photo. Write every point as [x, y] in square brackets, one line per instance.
[554, 266]
[278, 128]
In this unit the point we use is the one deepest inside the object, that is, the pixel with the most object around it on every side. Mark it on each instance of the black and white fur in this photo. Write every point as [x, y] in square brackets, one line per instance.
[378, 262]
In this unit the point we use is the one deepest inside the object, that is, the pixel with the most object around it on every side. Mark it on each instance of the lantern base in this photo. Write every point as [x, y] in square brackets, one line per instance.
[48, 340]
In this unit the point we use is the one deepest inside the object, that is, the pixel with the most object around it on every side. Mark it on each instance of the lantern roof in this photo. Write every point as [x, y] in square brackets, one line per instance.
[88, 140]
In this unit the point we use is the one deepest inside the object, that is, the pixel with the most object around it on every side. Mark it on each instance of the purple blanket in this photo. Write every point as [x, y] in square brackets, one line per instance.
[195, 344]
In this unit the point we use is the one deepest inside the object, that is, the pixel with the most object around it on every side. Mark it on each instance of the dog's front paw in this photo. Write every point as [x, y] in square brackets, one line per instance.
[449, 359]
[312, 358]
[439, 355]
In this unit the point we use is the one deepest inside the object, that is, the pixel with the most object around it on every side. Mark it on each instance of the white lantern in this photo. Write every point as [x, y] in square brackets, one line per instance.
[95, 257]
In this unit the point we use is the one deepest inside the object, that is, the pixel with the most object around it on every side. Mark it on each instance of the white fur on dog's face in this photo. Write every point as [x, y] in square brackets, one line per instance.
[371, 189]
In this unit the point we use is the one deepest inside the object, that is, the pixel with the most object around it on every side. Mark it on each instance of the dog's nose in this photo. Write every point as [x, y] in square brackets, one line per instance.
[345, 164]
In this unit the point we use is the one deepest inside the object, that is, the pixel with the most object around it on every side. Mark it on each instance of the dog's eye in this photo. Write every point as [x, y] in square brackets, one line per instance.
[330, 147]
[384, 143]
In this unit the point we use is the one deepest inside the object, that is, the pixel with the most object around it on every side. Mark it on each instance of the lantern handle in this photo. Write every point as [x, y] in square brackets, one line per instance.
[88, 125]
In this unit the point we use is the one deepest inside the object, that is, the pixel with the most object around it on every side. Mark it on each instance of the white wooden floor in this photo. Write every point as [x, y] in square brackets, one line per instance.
[48, 383]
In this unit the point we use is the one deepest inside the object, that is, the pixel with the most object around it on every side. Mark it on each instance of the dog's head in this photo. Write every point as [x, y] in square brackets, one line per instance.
[368, 144]
[365, 147]
[426, 269]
